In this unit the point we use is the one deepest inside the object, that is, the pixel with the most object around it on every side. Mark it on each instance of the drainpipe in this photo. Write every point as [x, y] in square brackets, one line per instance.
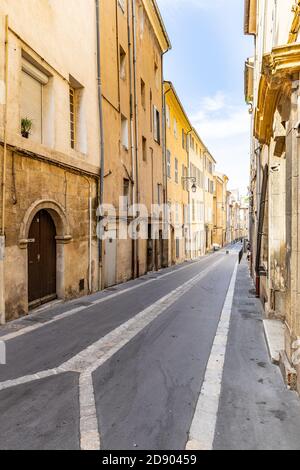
[189, 200]
[261, 228]
[102, 159]
[166, 215]
[137, 262]
[90, 236]
[132, 145]
[206, 228]
[2, 234]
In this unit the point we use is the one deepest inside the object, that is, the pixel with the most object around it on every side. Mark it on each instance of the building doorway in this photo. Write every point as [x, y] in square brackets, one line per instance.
[150, 250]
[173, 247]
[110, 259]
[41, 260]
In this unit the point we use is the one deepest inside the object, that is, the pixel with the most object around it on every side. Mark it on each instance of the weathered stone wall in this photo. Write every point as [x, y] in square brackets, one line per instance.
[29, 181]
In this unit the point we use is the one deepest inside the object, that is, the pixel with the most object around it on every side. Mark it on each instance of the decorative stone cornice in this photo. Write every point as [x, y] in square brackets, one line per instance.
[276, 80]
[295, 24]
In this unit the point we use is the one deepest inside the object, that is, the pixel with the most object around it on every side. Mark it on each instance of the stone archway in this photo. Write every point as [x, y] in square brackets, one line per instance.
[63, 236]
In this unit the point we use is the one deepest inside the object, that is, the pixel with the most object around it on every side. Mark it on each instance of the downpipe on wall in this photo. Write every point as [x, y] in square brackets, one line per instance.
[90, 287]
[132, 145]
[137, 191]
[102, 149]
[2, 231]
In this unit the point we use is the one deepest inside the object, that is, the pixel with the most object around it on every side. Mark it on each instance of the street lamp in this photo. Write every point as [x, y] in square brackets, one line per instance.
[193, 180]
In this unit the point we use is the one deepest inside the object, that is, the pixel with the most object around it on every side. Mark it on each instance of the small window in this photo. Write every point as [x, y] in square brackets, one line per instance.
[168, 163]
[177, 213]
[168, 120]
[156, 74]
[33, 84]
[124, 132]
[122, 64]
[151, 112]
[77, 118]
[176, 170]
[183, 139]
[142, 20]
[126, 190]
[144, 149]
[143, 94]
[175, 128]
[185, 214]
[159, 194]
[156, 116]
[72, 117]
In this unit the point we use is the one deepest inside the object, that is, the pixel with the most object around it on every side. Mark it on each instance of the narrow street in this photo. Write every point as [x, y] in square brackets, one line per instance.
[135, 368]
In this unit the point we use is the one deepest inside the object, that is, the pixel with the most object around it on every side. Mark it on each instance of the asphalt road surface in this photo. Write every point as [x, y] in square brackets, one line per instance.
[143, 366]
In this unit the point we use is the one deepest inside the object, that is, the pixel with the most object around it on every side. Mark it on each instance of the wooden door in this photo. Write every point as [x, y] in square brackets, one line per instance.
[150, 250]
[41, 260]
[110, 259]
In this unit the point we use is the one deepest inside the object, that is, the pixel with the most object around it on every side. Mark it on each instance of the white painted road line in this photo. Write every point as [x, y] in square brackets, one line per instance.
[202, 432]
[89, 433]
[76, 310]
[99, 353]
[90, 359]
[107, 346]
[29, 378]
[102, 350]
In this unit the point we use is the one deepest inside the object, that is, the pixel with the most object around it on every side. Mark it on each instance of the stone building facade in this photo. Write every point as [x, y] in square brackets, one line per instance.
[134, 38]
[49, 177]
[178, 128]
[272, 92]
[71, 98]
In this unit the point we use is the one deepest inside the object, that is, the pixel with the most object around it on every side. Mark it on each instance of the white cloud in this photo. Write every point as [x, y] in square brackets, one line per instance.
[225, 129]
[213, 103]
[221, 126]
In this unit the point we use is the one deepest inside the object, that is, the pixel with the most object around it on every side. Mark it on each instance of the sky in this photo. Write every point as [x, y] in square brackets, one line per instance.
[206, 66]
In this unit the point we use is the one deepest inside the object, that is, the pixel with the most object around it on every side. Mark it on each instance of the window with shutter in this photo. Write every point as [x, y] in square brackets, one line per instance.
[156, 124]
[168, 120]
[168, 163]
[176, 170]
[31, 103]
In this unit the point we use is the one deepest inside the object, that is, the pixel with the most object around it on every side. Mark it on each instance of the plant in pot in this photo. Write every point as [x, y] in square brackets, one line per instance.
[26, 125]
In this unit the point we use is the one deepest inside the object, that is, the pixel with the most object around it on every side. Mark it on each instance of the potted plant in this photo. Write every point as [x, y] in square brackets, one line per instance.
[26, 125]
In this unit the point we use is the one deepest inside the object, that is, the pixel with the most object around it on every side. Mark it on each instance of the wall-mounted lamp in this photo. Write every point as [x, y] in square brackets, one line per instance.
[193, 180]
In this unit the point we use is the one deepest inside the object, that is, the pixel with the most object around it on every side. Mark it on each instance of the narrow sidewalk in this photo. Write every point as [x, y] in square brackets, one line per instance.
[256, 410]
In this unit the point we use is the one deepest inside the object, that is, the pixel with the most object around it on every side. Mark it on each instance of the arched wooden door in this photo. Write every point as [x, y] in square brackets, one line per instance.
[41, 260]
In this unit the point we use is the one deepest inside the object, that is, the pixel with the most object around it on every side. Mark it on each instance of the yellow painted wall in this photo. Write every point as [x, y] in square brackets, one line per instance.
[220, 209]
[177, 191]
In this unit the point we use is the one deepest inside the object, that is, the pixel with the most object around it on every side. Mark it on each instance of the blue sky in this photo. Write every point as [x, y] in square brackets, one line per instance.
[206, 65]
